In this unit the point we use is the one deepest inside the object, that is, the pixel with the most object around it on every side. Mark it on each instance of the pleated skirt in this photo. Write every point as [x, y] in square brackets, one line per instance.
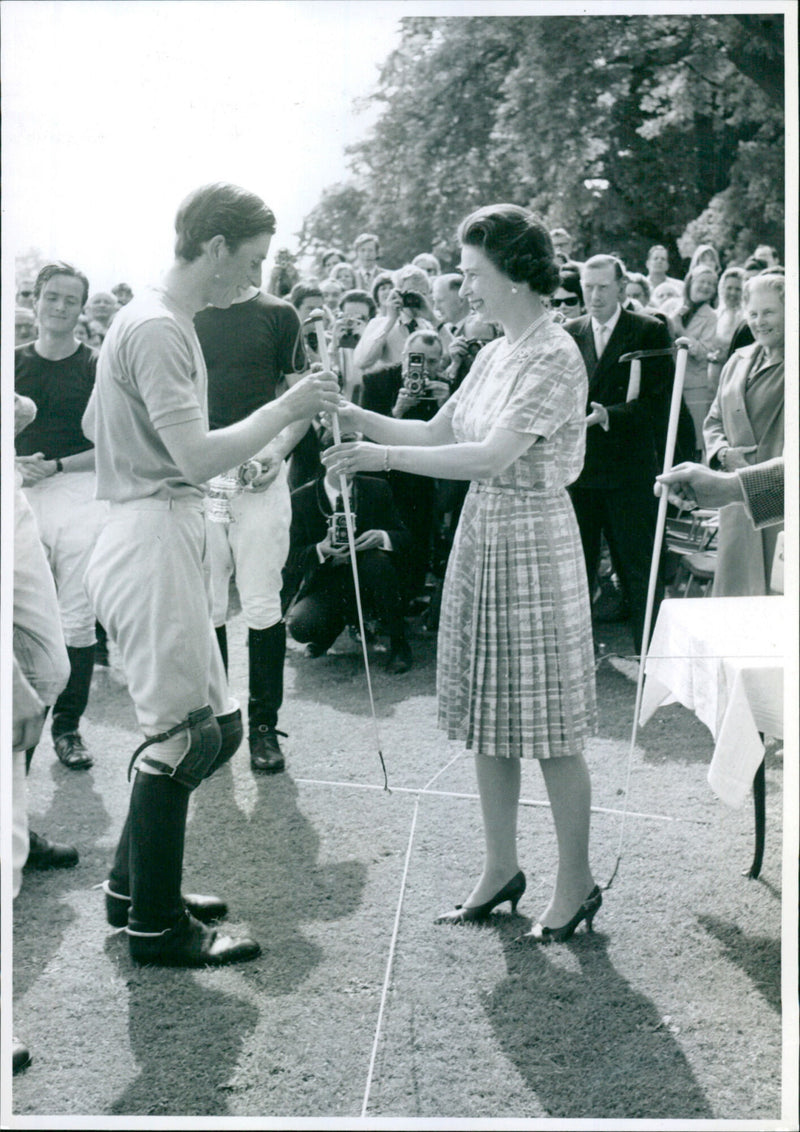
[515, 667]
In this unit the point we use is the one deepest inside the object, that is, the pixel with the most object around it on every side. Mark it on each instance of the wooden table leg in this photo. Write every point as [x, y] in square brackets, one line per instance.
[759, 799]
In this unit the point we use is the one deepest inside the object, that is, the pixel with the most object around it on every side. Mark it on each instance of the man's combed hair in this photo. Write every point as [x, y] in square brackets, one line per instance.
[620, 273]
[60, 267]
[516, 242]
[220, 210]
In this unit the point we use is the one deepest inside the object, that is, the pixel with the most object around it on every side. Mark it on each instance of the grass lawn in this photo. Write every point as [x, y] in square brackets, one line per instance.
[360, 1005]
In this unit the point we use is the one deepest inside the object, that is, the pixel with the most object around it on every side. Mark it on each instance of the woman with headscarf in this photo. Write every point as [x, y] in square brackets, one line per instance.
[705, 254]
[695, 321]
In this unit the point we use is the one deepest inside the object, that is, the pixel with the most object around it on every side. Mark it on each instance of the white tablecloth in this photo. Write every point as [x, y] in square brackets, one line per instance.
[723, 659]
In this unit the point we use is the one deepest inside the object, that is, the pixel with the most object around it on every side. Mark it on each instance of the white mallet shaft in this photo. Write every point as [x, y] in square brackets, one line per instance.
[669, 453]
[317, 318]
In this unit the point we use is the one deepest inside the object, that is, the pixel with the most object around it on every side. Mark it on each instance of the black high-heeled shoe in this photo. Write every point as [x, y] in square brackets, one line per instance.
[471, 914]
[587, 911]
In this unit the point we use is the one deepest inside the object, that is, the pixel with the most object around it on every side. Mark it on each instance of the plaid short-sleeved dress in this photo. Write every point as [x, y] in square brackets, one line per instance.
[515, 670]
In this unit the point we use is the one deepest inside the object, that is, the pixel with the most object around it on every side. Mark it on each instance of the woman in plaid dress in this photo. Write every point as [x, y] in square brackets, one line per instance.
[515, 659]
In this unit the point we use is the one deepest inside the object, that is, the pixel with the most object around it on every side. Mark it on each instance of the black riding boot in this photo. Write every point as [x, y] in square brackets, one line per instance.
[222, 641]
[267, 653]
[156, 830]
[118, 886]
[161, 928]
[71, 704]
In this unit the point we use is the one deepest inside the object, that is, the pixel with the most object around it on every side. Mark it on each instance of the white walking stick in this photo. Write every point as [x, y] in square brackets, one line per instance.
[661, 519]
[316, 317]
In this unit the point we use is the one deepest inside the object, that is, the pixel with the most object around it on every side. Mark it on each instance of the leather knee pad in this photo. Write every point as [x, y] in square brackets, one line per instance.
[232, 733]
[204, 744]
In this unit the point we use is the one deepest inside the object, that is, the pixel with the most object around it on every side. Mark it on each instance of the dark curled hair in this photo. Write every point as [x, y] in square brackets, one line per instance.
[570, 280]
[60, 267]
[220, 210]
[516, 242]
[358, 297]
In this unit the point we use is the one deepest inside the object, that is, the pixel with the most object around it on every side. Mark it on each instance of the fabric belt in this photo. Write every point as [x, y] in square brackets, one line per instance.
[499, 489]
[152, 504]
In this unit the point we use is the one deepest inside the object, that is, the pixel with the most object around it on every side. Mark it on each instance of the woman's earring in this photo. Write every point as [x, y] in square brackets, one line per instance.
[513, 290]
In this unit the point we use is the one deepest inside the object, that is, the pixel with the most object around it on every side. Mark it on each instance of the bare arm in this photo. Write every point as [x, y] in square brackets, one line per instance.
[201, 454]
[468, 461]
[392, 430]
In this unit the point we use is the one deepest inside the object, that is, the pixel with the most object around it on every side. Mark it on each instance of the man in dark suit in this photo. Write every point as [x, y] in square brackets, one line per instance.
[318, 580]
[614, 493]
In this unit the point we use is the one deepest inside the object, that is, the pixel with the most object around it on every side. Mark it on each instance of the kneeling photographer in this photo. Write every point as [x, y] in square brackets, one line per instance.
[415, 389]
[318, 579]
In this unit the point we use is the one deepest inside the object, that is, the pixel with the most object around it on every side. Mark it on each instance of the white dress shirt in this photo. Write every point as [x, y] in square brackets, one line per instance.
[603, 330]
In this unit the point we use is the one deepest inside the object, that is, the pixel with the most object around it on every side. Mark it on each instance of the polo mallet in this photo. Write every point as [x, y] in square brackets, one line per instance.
[318, 320]
[635, 359]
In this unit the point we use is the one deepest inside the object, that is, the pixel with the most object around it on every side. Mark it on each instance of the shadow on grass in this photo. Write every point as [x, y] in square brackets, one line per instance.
[584, 1041]
[673, 734]
[338, 679]
[185, 1037]
[266, 865]
[758, 956]
[76, 816]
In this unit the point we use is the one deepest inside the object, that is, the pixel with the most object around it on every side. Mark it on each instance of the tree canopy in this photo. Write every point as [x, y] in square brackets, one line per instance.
[626, 130]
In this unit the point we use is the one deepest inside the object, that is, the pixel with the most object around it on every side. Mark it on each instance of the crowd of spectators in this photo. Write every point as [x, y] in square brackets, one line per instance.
[403, 339]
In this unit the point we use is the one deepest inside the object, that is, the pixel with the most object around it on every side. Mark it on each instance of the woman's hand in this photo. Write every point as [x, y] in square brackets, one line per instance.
[732, 458]
[347, 459]
[694, 346]
[394, 305]
[347, 413]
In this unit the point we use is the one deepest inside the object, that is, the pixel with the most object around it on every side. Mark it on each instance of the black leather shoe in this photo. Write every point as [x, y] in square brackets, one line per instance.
[189, 944]
[539, 933]
[206, 909]
[44, 854]
[478, 913]
[399, 658]
[71, 751]
[20, 1056]
[266, 756]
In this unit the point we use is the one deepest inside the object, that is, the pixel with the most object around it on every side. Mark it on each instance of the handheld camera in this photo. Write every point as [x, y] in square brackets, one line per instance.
[347, 333]
[415, 379]
[337, 529]
[412, 300]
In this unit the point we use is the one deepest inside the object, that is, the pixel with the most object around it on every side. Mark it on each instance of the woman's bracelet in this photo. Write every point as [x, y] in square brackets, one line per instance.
[386, 467]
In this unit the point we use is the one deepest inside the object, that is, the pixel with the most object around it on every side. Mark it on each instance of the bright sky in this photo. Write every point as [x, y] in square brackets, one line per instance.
[115, 109]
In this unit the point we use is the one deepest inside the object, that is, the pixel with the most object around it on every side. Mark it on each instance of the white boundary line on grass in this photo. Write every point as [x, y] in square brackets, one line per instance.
[420, 791]
[395, 930]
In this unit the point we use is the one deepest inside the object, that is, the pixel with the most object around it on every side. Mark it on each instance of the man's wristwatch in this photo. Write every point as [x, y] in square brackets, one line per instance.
[59, 465]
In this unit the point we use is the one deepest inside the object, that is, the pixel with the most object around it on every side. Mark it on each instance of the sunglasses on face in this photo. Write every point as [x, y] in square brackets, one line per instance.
[572, 301]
